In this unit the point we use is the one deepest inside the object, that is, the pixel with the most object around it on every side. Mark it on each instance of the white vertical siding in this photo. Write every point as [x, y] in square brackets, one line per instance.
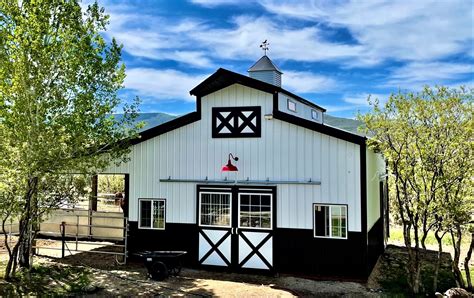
[284, 152]
[302, 110]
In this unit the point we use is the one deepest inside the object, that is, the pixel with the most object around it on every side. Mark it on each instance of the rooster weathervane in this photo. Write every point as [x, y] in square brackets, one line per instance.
[264, 46]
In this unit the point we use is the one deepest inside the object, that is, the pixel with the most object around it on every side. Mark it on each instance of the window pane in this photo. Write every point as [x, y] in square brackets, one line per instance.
[291, 105]
[266, 200]
[336, 221]
[145, 214]
[215, 209]
[159, 214]
[255, 200]
[321, 220]
[257, 214]
[339, 221]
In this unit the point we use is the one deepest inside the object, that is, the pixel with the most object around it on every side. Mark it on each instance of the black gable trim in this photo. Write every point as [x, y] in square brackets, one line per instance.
[328, 130]
[167, 126]
[223, 78]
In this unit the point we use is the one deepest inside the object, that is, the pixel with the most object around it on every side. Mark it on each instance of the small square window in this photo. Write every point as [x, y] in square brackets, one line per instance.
[314, 115]
[330, 221]
[291, 105]
[152, 214]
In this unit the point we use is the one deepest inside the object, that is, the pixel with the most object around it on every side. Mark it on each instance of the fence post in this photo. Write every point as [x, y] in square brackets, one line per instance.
[125, 253]
[77, 230]
[63, 238]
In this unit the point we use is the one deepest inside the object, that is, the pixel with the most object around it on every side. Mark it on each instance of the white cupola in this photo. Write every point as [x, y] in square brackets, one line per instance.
[264, 70]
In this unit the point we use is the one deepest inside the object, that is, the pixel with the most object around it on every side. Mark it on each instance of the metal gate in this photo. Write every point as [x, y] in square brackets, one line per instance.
[76, 232]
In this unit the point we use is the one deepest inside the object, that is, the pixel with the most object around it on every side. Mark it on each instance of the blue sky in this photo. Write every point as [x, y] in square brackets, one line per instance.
[334, 53]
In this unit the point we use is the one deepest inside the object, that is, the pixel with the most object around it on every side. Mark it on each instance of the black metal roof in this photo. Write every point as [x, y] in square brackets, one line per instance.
[223, 78]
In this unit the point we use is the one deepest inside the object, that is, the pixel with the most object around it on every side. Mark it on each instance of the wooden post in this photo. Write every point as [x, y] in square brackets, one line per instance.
[93, 198]
[63, 238]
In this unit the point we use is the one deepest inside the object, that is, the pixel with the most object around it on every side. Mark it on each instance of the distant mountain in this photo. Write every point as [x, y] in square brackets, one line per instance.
[155, 119]
[350, 125]
[151, 119]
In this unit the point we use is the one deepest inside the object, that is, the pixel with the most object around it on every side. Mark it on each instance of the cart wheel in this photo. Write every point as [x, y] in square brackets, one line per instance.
[159, 271]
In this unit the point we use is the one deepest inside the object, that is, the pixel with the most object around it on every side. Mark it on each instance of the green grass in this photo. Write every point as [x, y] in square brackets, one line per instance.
[48, 279]
[471, 270]
[396, 234]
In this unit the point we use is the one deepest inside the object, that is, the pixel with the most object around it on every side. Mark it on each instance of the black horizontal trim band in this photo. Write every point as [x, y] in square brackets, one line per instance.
[167, 126]
[328, 130]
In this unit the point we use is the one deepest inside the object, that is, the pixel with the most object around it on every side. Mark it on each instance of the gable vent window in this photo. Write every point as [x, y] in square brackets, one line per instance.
[236, 122]
[314, 115]
[152, 214]
[330, 221]
[291, 105]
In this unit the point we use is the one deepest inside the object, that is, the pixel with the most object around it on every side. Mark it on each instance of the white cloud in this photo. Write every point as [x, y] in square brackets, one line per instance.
[297, 44]
[340, 108]
[355, 102]
[307, 82]
[156, 38]
[360, 99]
[162, 84]
[197, 43]
[382, 30]
[402, 30]
[416, 74]
[213, 3]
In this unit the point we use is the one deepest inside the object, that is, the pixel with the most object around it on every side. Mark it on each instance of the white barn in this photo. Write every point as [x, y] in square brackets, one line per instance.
[307, 197]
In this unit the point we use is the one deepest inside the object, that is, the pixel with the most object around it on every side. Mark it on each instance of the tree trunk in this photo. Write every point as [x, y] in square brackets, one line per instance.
[438, 260]
[466, 263]
[413, 268]
[25, 246]
[457, 255]
[26, 223]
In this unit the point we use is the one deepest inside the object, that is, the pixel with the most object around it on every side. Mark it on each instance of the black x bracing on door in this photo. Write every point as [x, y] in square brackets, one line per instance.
[236, 122]
[215, 247]
[236, 227]
[255, 250]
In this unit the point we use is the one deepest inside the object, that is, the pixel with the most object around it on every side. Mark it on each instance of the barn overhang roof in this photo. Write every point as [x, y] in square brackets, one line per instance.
[223, 78]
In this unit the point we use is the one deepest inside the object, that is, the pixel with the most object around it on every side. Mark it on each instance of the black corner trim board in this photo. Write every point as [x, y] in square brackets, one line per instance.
[223, 78]
[363, 201]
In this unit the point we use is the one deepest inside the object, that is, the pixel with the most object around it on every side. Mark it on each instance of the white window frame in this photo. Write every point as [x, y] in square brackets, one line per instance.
[230, 205]
[152, 212]
[330, 220]
[315, 112]
[271, 211]
[288, 104]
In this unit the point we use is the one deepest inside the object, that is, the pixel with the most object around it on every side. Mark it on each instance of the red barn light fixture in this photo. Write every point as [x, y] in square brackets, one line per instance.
[229, 167]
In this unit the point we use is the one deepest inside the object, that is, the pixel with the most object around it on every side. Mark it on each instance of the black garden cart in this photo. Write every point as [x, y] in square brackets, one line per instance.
[161, 264]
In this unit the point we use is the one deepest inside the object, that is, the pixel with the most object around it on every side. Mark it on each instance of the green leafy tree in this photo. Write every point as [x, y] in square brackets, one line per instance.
[426, 139]
[58, 90]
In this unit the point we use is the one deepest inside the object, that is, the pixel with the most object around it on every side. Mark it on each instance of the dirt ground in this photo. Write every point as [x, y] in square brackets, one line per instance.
[131, 278]
[90, 274]
[106, 277]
